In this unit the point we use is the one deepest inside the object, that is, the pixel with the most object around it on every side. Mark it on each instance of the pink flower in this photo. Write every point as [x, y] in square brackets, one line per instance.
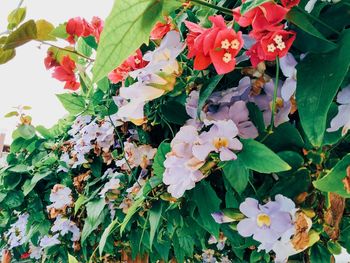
[217, 45]
[221, 139]
[78, 27]
[50, 61]
[65, 73]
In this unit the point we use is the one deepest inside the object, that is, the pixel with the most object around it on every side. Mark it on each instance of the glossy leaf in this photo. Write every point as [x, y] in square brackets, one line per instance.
[236, 174]
[206, 91]
[315, 92]
[333, 180]
[256, 156]
[73, 103]
[16, 17]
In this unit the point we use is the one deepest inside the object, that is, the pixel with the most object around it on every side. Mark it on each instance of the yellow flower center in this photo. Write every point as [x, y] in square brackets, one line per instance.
[278, 39]
[220, 142]
[263, 219]
[235, 44]
[225, 44]
[271, 48]
[227, 57]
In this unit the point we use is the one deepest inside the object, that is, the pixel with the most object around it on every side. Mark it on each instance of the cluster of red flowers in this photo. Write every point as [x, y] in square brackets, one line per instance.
[217, 45]
[134, 62]
[79, 27]
[267, 30]
[63, 71]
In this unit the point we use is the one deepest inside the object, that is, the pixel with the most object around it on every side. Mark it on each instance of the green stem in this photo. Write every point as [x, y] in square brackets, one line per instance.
[316, 19]
[273, 108]
[67, 50]
[219, 8]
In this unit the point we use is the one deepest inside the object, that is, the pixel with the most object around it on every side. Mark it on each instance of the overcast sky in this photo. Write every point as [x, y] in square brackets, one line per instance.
[24, 80]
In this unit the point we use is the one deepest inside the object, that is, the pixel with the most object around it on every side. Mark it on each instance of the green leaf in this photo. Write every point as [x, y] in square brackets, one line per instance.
[26, 131]
[126, 29]
[72, 102]
[251, 4]
[44, 29]
[30, 184]
[94, 217]
[103, 84]
[206, 91]
[236, 174]
[60, 31]
[16, 17]
[132, 210]
[158, 163]
[207, 202]
[80, 201]
[106, 233]
[72, 259]
[19, 168]
[333, 181]
[284, 137]
[174, 112]
[319, 42]
[315, 92]
[319, 253]
[6, 55]
[14, 199]
[155, 215]
[256, 156]
[22, 35]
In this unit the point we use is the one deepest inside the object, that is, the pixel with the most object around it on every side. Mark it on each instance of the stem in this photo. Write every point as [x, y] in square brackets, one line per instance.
[317, 20]
[67, 50]
[273, 108]
[219, 8]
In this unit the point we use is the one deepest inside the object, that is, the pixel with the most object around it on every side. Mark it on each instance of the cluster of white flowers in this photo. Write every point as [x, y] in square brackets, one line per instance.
[17, 233]
[87, 135]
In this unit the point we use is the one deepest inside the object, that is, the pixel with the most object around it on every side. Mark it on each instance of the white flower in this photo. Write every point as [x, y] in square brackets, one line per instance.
[61, 198]
[112, 184]
[17, 233]
[64, 225]
[48, 241]
[78, 124]
[35, 252]
[342, 119]
[288, 64]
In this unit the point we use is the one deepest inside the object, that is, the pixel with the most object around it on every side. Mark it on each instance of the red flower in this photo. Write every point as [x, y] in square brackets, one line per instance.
[289, 3]
[97, 25]
[273, 45]
[25, 255]
[226, 47]
[50, 61]
[218, 45]
[161, 29]
[277, 44]
[132, 63]
[65, 73]
[78, 27]
[262, 18]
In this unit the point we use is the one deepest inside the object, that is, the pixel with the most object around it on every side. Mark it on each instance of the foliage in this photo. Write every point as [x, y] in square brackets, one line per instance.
[182, 142]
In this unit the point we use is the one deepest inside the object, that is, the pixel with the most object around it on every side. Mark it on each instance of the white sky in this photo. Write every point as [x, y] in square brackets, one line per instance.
[24, 80]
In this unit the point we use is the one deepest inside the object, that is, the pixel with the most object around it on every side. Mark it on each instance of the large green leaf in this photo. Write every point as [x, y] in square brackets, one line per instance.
[30, 184]
[127, 27]
[94, 217]
[73, 103]
[207, 202]
[319, 77]
[333, 181]
[256, 156]
[22, 35]
[155, 216]
[316, 41]
[236, 174]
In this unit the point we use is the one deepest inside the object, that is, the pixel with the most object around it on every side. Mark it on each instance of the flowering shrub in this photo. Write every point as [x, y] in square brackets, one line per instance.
[198, 131]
